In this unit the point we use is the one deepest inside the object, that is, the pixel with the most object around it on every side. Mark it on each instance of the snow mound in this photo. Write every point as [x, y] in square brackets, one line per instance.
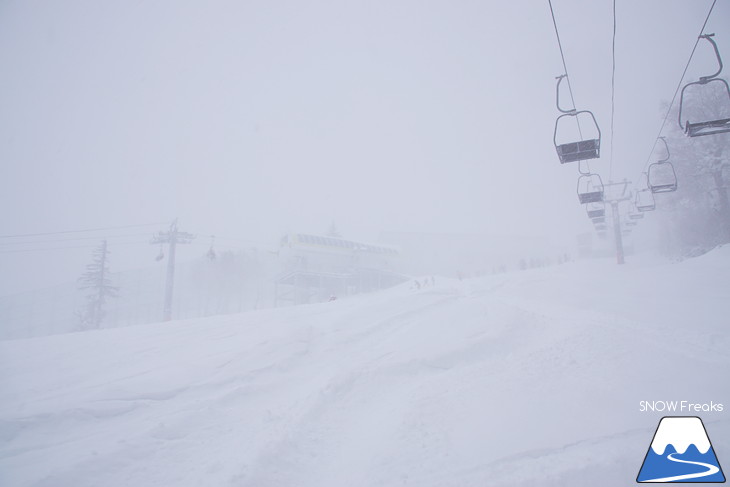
[529, 378]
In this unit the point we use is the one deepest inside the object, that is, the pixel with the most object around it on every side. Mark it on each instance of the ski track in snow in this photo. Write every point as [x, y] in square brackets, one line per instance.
[518, 379]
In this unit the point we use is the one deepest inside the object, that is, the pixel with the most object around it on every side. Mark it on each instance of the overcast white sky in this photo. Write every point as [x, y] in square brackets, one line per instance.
[250, 119]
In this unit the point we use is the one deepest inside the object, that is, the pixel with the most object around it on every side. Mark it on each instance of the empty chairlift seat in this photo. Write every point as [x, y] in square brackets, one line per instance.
[596, 210]
[710, 127]
[645, 200]
[590, 188]
[579, 151]
[661, 177]
[576, 146]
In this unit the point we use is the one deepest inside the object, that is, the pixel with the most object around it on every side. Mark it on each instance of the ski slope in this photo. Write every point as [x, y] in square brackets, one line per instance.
[527, 378]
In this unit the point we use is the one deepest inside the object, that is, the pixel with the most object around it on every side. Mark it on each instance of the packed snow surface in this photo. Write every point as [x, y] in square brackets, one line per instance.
[525, 378]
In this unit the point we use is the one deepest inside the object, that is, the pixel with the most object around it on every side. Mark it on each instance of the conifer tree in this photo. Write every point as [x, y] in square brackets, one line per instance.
[98, 282]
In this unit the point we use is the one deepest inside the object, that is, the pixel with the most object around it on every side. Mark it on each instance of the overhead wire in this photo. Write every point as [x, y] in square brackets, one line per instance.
[87, 230]
[676, 91]
[54, 240]
[25, 246]
[45, 249]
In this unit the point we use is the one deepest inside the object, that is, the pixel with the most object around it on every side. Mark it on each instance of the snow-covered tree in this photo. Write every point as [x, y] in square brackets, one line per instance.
[697, 216]
[97, 281]
[332, 231]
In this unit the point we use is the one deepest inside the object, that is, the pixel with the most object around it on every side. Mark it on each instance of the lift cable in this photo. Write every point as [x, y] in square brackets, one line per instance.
[613, 87]
[565, 67]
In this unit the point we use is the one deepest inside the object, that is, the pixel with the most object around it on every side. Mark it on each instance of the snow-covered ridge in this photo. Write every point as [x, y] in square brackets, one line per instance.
[680, 432]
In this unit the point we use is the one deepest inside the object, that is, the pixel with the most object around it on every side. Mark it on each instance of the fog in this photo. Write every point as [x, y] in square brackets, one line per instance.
[311, 243]
[248, 120]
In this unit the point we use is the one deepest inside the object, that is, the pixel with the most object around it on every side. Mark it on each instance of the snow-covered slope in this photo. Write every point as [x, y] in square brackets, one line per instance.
[529, 378]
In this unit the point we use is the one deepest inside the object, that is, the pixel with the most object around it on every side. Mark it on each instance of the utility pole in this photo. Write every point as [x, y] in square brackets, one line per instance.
[171, 237]
[618, 238]
[614, 202]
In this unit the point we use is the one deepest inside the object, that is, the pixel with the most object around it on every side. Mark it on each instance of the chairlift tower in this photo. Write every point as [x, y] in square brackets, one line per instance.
[172, 237]
[614, 202]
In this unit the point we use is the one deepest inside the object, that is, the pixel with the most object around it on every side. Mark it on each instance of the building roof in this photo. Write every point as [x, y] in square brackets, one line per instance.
[335, 243]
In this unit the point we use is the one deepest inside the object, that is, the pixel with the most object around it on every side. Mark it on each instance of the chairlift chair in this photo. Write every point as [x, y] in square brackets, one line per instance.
[645, 200]
[599, 219]
[590, 188]
[579, 150]
[596, 210]
[661, 177]
[631, 223]
[635, 214]
[707, 127]
[601, 227]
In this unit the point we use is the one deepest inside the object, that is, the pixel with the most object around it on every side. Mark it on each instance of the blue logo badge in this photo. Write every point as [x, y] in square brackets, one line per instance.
[680, 452]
